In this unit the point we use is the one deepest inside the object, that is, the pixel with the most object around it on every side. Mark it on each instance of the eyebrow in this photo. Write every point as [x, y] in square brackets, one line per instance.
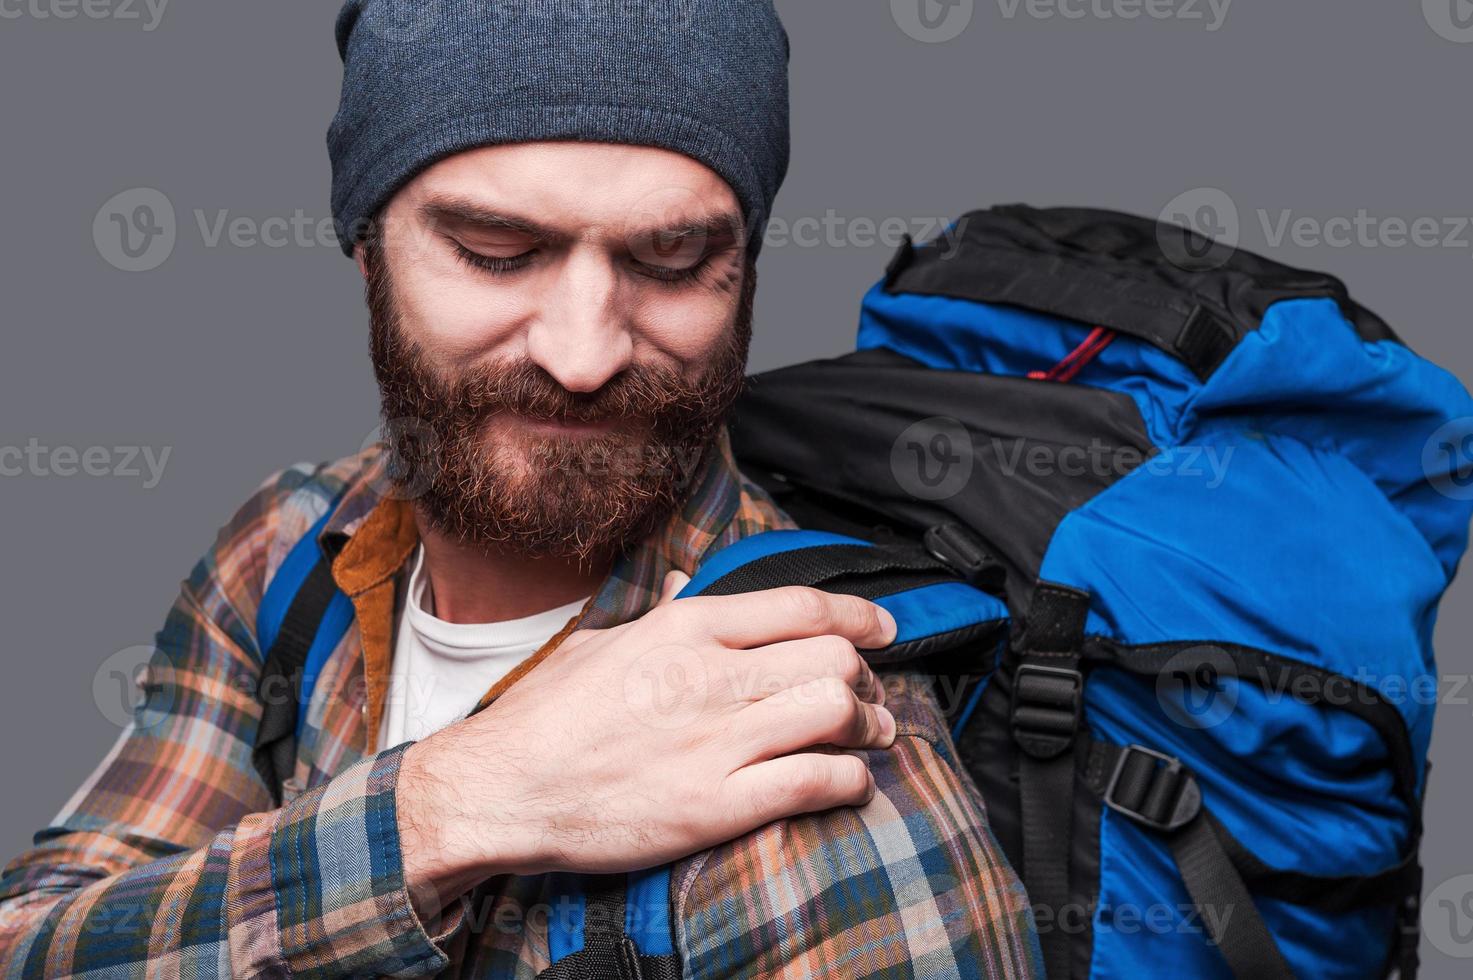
[714, 225]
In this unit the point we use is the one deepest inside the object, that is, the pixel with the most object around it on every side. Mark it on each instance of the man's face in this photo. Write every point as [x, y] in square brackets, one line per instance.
[560, 330]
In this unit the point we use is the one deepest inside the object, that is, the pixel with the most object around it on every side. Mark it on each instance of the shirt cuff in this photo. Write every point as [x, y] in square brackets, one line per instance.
[336, 896]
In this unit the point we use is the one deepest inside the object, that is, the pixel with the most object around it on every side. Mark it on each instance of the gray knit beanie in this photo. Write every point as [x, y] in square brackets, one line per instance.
[423, 79]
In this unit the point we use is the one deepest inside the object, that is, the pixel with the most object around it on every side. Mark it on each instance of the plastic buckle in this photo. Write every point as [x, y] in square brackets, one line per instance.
[1047, 705]
[958, 549]
[1169, 799]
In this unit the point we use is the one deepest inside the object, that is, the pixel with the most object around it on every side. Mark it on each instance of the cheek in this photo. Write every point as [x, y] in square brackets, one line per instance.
[687, 325]
[458, 318]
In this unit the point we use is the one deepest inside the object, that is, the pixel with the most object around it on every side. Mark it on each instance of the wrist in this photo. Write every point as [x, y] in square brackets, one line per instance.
[440, 861]
[451, 838]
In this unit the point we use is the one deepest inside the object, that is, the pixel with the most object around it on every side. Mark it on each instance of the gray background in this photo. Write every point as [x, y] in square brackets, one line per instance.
[243, 359]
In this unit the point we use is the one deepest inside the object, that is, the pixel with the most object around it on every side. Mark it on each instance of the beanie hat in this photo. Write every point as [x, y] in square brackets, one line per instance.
[424, 79]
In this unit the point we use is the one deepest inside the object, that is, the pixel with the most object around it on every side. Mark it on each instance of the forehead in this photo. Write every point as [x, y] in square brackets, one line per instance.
[578, 187]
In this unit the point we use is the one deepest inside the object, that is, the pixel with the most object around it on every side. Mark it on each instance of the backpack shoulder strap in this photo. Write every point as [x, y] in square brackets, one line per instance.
[940, 592]
[612, 927]
[302, 617]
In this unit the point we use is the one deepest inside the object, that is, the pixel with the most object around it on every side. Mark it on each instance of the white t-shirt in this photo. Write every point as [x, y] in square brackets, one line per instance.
[441, 670]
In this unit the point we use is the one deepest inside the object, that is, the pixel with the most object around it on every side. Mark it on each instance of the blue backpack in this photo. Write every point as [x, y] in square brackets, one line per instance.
[1226, 501]
[1168, 524]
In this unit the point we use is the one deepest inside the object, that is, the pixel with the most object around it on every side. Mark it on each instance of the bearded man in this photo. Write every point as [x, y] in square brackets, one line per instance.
[557, 210]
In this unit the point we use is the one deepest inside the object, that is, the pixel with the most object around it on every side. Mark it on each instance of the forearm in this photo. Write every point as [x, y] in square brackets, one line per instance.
[314, 888]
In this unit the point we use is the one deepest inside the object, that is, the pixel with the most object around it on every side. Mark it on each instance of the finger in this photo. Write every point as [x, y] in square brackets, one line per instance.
[767, 670]
[808, 782]
[820, 712]
[791, 613]
[675, 580]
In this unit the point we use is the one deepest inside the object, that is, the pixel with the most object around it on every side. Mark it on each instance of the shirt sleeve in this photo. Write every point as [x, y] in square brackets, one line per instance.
[170, 860]
[913, 884]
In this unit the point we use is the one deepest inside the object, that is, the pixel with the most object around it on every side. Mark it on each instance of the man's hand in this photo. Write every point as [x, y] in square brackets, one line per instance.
[640, 744]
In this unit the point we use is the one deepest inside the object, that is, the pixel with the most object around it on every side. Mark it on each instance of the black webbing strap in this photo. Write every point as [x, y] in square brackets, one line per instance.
[1048, 696]
[1156, 791]
[866, 571]
[1046, 791]
[1165, 316]
[608, 953]
[1227, 909]
[279, 689]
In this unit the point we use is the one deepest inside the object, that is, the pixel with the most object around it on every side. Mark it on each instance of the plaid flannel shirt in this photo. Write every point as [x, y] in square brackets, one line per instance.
[170, 860]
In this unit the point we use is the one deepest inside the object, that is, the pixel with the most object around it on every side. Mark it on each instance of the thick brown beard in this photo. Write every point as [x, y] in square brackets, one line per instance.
[584, 498]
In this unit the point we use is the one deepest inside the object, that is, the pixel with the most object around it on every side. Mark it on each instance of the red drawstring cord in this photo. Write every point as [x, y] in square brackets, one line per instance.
[1099, 338]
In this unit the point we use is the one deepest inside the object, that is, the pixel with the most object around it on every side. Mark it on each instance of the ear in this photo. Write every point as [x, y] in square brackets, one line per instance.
[358, 257]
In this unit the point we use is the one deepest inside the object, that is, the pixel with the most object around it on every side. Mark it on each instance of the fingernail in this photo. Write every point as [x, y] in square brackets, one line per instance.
[887, 723]
[887, 621]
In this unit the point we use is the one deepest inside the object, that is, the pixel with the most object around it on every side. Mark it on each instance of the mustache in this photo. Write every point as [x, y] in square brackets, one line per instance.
[524, 388]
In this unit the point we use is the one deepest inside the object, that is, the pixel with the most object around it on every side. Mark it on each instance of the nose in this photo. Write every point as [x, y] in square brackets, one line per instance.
[581, 335]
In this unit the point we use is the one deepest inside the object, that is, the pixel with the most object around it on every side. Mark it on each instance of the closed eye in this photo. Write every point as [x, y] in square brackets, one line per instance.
[493, 263]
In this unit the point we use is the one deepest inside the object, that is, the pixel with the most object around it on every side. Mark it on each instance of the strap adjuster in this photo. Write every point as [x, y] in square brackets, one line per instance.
[1047, 705]
[1154, 789]
[960, 549]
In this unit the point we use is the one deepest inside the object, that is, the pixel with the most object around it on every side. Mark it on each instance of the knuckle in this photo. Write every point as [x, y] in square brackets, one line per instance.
[674, 619]
[790, 793]
[822, 781]
[869, 616]
[815, 778]
[848, 665]
[676, 612]
[850, 775]
[806, 607]
[840, 715]
[834, 692]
